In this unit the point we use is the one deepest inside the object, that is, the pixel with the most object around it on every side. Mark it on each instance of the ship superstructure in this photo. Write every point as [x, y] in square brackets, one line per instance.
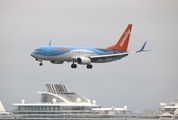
[59, 104]
[55, 102]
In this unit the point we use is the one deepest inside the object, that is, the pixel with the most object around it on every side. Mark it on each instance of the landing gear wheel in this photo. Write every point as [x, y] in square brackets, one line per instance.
[74, 66]
[89, 66]
[41, 64]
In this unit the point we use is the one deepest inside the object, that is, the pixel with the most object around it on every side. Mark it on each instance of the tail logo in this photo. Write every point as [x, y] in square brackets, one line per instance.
[125, 37]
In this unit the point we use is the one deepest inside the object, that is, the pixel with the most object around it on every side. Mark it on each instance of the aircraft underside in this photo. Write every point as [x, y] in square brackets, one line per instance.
[80, 60]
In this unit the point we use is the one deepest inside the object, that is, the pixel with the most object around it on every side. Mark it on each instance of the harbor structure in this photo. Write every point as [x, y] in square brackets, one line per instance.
[59, 104]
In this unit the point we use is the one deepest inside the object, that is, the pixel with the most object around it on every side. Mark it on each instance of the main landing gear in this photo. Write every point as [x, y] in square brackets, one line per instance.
[89, 66]
[74, 65]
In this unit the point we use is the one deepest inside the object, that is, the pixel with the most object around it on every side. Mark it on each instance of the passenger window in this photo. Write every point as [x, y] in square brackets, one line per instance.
[39, 50]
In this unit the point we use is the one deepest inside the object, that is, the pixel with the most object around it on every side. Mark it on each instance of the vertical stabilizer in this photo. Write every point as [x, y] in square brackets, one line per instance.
[123, 41]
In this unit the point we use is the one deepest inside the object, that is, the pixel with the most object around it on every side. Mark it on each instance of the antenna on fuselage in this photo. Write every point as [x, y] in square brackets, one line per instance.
[50, 42]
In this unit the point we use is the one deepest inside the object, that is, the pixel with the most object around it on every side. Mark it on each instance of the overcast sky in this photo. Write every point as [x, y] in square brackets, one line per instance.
[139, 81]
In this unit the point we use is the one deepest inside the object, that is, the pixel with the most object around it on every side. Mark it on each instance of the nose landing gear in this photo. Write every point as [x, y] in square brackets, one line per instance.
[40, 64]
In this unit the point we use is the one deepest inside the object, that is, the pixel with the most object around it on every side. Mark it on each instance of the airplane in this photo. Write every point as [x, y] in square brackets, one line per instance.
[85, 55]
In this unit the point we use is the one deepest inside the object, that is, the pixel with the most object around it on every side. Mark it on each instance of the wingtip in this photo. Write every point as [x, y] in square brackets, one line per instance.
[143, 47]
[50, 42]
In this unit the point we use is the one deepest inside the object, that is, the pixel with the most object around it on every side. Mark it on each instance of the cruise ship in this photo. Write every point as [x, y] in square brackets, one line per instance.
[59, 104]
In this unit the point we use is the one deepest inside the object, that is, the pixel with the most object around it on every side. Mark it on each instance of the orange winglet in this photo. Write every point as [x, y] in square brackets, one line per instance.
[123, 41]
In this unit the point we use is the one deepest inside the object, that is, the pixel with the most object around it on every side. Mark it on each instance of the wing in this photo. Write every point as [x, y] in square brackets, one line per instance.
[104, 58]
[101, 58]
[110, 55]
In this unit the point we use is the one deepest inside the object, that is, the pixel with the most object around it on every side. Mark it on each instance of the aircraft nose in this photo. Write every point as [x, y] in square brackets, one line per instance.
[32, 55]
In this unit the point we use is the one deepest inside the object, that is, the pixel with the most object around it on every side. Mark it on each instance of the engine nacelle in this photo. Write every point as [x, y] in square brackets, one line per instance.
[56, 62]
[83, 60]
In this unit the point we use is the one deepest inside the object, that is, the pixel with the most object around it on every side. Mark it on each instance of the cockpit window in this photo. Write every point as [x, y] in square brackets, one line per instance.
[39, 50]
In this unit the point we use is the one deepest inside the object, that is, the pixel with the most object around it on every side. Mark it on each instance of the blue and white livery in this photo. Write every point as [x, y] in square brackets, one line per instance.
[85, 55]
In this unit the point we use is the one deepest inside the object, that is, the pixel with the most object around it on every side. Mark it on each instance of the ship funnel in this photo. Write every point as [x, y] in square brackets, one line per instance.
[56, 88]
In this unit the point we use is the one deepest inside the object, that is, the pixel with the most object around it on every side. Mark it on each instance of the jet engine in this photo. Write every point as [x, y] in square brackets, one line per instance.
[56, 62]
[83, 60]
